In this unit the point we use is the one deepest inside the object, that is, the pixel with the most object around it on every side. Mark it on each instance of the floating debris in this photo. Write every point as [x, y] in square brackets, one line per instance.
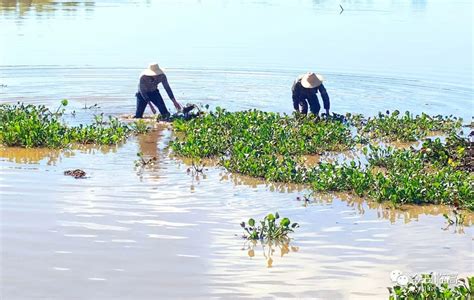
[77, 173]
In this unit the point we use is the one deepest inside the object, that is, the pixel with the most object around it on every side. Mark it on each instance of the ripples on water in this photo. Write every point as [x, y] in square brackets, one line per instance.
[162, 233]
[114, 90]
[165, 230]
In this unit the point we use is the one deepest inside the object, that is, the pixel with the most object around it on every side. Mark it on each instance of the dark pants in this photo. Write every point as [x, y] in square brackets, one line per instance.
[313, 101]
[155, 98]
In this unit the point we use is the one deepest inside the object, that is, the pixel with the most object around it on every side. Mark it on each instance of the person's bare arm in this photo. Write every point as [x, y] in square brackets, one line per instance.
[170, 92]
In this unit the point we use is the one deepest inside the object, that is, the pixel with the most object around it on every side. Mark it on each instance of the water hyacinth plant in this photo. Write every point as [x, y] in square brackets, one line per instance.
[143, 162]
[36, 126]
[32, 126]
[425, 288]
[217, 133]
[269, 228]
[406, 128]
[140, 126]
[272, 146]
[428, 175]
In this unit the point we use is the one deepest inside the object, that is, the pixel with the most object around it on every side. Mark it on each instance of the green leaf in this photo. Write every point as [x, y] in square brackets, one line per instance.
[285, 222]
[251, 222]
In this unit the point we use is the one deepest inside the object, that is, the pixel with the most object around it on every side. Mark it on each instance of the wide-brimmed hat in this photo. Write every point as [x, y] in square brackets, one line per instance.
[153, 70]
[311, 80]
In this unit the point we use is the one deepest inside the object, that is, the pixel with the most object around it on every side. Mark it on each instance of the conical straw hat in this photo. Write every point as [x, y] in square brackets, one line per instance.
[311, 80]
[153, 70]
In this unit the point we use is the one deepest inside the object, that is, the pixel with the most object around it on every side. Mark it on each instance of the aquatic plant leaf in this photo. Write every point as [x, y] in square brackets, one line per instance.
[270, 217]
[285, 222]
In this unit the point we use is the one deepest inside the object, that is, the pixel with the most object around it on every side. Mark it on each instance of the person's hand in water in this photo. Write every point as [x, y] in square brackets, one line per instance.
[177, 105]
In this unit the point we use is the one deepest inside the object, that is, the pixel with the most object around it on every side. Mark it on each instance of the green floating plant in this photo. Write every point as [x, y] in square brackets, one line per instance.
[272, 146]
[269, 228]
[36, 126]
[406, 128]
[220, 132]
[433, 174]
[143, 162]
[140, 126]
[424, 287]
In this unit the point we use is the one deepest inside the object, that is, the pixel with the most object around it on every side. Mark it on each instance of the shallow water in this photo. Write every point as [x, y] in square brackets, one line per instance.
[125, 233]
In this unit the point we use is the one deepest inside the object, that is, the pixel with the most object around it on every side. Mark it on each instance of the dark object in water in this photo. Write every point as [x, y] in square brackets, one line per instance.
[187, 113]
[188, 108]
[335, 116]
[77, 173]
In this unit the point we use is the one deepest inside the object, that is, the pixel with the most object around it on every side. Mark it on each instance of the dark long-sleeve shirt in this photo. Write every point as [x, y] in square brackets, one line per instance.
[150, 84]
[302, 93]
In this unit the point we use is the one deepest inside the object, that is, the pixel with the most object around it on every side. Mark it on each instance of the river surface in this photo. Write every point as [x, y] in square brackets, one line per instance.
[161, 233]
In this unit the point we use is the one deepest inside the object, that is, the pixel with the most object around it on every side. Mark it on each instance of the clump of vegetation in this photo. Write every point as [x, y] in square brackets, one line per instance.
[36, 126]
[143, 162]
[272, 146]
[221, 132]
[140, 126]
[428, 175]
[269, 228]
[31, 126]
[456, 219]
[425, 288]
[405, 128]
[100, 132]
[196, 168]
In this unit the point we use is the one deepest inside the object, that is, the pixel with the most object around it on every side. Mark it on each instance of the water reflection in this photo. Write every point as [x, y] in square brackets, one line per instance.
[32, 156]
[50, 157]
[406, 213]
[148, 148]
[253, 182]
[44, 8]
[269, 250]
[116, 229]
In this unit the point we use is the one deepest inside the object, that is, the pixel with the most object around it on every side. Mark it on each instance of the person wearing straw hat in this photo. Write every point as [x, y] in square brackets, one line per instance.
[304, 91]
[148, 91]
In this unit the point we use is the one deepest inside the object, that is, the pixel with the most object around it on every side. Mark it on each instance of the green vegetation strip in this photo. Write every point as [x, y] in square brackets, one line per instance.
[221, 132]
[36, 126]
[271, 146]
[425, 288]
[405, 128]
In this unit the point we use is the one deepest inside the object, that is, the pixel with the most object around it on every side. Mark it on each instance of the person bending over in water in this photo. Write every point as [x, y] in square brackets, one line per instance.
[304, 91]
[148, 91]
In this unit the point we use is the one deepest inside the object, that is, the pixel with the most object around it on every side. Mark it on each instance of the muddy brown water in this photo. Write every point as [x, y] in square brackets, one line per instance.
[161, 233]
